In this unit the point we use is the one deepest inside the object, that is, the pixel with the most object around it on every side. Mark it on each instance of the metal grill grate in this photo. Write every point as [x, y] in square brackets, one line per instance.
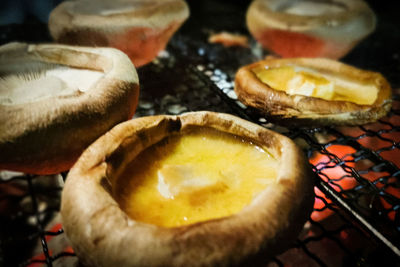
[358, 167]
[367, 208]
[357, 181]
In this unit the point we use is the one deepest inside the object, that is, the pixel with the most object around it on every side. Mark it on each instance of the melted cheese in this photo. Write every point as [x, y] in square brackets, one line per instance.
[303, 81]
[198, 176]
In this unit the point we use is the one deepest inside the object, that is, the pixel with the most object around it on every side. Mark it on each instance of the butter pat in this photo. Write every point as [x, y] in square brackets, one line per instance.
[176, 179]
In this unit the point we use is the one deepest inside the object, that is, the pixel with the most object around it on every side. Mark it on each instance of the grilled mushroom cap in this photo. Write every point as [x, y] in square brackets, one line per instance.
[139, 28]
[55, 100]
[103, 235]
[309, 28]
[286, 108]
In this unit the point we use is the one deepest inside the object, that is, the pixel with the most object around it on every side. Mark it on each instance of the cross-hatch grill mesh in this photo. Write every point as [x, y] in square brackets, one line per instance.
[356, 219]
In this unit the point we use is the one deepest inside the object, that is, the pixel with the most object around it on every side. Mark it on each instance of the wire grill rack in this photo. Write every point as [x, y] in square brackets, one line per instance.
[356, 220]
[363, 219]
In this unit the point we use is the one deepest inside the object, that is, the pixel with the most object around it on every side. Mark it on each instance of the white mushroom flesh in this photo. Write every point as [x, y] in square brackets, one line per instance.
[107, 8]
[312, 8]
[26, 86]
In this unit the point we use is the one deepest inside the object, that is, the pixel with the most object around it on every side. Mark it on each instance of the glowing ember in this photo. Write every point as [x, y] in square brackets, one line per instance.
[335, 175]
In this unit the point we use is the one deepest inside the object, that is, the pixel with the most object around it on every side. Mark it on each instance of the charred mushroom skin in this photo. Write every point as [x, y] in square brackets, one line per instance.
[48, 134]
[285, 108]
[103, 235]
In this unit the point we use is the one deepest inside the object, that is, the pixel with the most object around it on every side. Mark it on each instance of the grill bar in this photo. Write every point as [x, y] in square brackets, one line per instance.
[356, 217]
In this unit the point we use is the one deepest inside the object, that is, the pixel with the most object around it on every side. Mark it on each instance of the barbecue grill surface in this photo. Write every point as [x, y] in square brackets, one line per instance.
[364, 228]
